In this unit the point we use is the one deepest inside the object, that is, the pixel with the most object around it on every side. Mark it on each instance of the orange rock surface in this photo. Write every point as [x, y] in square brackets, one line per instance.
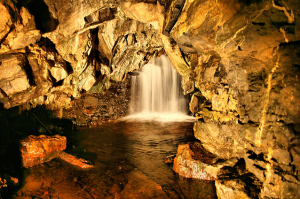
[38, 149]
[75, 161]
[188, 163]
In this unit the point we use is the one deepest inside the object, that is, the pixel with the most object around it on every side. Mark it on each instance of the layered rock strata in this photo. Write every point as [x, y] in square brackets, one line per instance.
[239, 61]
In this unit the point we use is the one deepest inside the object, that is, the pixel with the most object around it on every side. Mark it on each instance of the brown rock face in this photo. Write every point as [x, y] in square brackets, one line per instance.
[38, 149]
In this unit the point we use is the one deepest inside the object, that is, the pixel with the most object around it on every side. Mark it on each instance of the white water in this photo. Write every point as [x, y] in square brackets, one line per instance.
[156, 93]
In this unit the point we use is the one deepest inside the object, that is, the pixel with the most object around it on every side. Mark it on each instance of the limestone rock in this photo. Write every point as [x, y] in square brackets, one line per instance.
[231, 190]
[38, 149]
[22, 33]
[190, 164]
[58, 73]
[12, 74]
[5, 21]
[194, 104]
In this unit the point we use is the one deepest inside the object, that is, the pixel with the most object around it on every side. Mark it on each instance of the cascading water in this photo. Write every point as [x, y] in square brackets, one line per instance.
[156, 93]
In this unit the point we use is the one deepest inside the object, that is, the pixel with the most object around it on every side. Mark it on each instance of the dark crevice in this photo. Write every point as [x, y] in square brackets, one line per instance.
[254, 156]
[184, 57]
[277, 3]
[53, 80]
[69, 68]
[239, 173]
[3, 93]
[45, 42]
[43, 18]
[296, 43]
[176, 13]
[29, 72]
[12, 27]
[58, 83]
[259, 167]
[251, 122]
[258, 23]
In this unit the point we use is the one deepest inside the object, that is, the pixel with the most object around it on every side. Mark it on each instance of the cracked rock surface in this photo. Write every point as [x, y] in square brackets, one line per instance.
[239, 62]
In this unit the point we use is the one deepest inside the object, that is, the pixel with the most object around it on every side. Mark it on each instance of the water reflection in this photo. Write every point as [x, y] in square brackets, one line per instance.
[129, 163]
[145, 145]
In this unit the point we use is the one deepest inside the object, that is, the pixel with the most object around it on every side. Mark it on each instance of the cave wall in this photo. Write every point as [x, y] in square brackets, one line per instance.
[239, 61]
[244, 67]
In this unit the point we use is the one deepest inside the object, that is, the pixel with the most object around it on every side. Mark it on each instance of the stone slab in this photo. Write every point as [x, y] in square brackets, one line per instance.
[38, 149]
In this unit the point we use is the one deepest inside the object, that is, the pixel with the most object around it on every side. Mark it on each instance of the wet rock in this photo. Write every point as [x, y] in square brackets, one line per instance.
[191, 161]
[12, 180]
[75, 161]
[38, 149]
[169, 159]
[3, 182]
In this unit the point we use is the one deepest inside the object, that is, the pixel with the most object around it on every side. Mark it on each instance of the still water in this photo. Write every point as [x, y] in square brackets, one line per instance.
[129, 163]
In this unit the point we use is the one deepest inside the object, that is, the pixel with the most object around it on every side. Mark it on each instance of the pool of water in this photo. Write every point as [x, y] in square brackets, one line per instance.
[129, 163]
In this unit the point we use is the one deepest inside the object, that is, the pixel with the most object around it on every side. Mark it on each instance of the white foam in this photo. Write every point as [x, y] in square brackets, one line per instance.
[158, 117]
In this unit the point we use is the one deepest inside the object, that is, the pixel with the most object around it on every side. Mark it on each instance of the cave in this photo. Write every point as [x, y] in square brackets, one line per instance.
[79, 120]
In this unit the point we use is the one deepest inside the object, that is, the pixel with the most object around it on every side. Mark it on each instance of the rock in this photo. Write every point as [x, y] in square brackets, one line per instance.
[22, 34]
[12, 74]
[12, 180]
[194, 104]
[38, 149]
[58, 73]
[75, 161]
[232, 190]
[190, 163]
[5, 21]
[3, 182]
[90, 101]
[213, 169]
[236, 181]
[169, 159]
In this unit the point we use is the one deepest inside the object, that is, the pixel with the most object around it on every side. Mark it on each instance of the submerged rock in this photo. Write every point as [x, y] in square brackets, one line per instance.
[38, 149]
[75, 161]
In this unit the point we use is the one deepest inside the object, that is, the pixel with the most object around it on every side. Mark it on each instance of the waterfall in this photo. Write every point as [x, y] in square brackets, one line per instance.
[156, 93]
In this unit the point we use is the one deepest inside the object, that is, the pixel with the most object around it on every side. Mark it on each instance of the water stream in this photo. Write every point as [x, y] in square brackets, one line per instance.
[156, 93]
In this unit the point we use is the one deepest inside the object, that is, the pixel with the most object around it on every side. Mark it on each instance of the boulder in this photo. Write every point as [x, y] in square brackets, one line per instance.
[12, 74]
[38, 149]
[191, 162]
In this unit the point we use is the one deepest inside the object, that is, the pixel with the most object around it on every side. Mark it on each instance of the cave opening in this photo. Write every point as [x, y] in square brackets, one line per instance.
[119, 158]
